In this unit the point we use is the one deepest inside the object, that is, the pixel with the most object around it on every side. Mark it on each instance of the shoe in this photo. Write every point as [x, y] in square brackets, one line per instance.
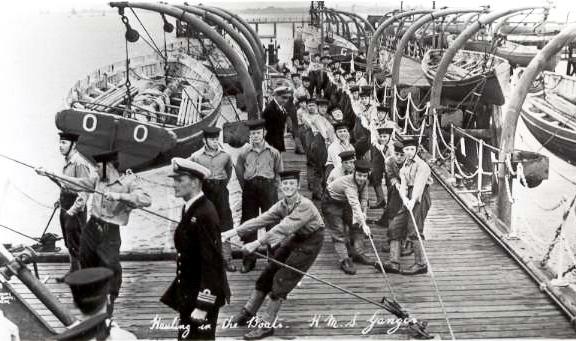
[230, 267]
[383, 222]
[242, 318]
[347, 266]
[390, 267]
[386, 247]
[379, 204]
[415, 269]
[61, 279]
[362, 259]
[248, 265]
[407, 249]
[259, 333]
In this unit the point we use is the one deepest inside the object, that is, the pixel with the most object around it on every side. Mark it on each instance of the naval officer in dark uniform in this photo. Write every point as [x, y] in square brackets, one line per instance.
[201, 286]
[275, 115]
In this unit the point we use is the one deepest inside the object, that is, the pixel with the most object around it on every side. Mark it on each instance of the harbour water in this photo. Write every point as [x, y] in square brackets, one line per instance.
[45, 56]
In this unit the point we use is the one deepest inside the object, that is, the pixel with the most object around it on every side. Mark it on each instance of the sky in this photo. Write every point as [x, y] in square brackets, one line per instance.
[563, 6]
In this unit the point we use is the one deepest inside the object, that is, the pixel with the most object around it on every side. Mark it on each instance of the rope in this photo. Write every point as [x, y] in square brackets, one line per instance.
[84, 188]
[391, 306]
[30, 197]
[156, 48]
[546, 257]
[432, 277]
[20, 233]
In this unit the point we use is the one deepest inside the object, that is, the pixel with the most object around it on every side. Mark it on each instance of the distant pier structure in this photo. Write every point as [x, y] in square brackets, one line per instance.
[296, 21]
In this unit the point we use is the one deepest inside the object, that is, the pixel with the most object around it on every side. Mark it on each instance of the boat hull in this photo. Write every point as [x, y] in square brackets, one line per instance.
[561, 142]
[461, 90]
[144, 142]
[516, 54]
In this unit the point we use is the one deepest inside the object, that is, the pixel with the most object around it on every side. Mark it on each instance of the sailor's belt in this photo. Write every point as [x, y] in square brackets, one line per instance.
[100, 221]
[205, 298]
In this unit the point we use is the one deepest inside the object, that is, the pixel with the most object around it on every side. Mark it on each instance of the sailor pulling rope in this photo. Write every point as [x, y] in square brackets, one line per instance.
[418, 326]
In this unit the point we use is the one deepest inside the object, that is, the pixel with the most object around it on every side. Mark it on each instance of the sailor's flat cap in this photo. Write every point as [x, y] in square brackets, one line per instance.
[211, 132]
[347, 155]
[182, 166]
[69, 136]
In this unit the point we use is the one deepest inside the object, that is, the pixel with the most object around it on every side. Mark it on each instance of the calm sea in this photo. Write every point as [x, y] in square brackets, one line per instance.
[44, 54]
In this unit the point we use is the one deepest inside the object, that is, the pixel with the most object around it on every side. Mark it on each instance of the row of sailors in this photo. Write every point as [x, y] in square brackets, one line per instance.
[259, 171]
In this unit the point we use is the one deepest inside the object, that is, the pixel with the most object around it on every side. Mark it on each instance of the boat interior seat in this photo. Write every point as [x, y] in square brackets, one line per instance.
[111, 98]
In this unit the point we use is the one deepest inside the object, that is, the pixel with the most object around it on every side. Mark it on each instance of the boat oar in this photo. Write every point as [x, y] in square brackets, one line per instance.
[419, 327]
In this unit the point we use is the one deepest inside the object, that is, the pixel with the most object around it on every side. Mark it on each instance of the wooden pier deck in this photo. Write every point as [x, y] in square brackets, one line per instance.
[486, 293]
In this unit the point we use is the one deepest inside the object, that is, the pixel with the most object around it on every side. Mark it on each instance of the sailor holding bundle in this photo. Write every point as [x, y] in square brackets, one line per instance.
[298, 233]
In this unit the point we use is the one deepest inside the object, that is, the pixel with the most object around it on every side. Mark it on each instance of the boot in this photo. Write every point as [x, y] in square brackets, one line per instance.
[419, 266]
[380, 200]
[393, 264]
[347, 266]
[248, 264]
[227, 255]
[407, 248]
[362, 259]
[383, 221]
[386, 246]
[268, 320]
[249, 309]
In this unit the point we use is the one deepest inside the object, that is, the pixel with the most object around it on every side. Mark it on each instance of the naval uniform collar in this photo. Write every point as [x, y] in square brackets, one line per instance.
[113, 176]
[192, 200]
[205, 150]
[265, 146]
[71, 156]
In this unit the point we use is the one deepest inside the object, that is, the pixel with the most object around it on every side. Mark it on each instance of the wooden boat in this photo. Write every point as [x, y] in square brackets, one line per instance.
[549, 112]
[335, 43]
[171, 103]
[193, 43]
[467, 72]
[541, 28]
[516, 54]
[213, 59]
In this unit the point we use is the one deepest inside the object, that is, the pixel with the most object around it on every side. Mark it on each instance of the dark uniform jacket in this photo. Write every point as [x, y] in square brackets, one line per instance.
[275, 122]
[200, 265]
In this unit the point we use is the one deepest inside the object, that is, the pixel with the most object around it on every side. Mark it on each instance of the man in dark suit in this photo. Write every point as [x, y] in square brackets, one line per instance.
[201, 286]
[275, 116]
